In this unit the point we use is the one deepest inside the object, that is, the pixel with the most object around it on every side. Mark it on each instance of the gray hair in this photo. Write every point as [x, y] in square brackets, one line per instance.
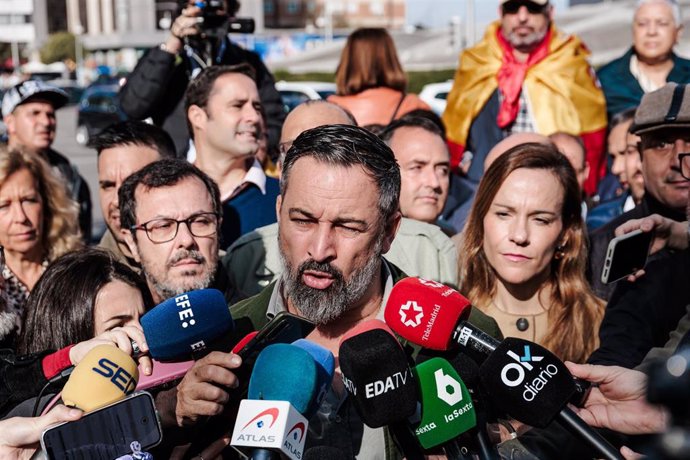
[673, 4]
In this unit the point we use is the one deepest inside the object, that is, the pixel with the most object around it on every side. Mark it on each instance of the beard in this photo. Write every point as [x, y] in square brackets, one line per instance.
[526, 43]
[167, 288]
[323, 306]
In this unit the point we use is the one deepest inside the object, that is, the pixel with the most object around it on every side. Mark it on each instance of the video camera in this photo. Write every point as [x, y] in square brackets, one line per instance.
[219, 20]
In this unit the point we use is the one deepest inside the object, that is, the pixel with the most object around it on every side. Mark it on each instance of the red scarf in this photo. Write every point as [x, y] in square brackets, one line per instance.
[512, 75]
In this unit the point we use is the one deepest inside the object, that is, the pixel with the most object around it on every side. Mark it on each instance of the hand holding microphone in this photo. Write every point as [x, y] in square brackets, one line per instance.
[124, 338]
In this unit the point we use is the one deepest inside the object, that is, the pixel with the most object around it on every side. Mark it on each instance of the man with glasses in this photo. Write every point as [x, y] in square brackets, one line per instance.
[170, 218]
[662, 121]
[524, 76]
[224, 116]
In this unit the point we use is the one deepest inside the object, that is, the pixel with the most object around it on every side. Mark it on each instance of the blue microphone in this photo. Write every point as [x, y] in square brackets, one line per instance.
[282, 388]
[184, 325]
[325, 369]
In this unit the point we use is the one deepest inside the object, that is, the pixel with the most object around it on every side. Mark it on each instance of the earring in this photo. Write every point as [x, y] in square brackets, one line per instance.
[559, 254]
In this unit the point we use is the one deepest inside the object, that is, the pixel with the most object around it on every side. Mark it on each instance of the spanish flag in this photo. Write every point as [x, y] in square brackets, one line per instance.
[561, 89]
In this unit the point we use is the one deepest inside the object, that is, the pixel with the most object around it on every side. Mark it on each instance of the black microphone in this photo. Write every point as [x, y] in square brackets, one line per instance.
[376, 373]
[535, 388]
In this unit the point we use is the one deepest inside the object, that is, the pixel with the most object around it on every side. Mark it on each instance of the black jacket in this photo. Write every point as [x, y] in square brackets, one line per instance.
[641, 315]
[156, 88]
[21, 378]
[599, 241]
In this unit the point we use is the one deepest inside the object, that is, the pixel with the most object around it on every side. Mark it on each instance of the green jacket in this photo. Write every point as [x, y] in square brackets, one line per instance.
[250, 315]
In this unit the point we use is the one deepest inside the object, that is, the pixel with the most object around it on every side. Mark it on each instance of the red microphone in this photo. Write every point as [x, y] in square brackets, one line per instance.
[425, 312]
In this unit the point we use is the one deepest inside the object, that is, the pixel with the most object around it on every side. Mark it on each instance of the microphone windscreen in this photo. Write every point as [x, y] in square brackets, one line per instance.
[425, 312]
[376, 373]
[186, 323]
[325, 368]
[284, 372]
[244, 341]
[105, 375]
[324, 452]
[447, 408]
[529, 382]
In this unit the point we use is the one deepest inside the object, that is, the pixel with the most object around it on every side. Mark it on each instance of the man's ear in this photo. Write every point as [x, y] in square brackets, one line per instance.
[390, 231]
[279, 202]
[9, 123]
[196, 116]
[131, 244]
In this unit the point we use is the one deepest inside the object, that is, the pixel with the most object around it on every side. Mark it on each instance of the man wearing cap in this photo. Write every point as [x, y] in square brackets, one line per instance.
[524, 76]
[662, 121]
[28, 110]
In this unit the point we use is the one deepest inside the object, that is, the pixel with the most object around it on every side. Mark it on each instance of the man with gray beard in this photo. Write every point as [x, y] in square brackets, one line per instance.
[338, 213]
[170, 219]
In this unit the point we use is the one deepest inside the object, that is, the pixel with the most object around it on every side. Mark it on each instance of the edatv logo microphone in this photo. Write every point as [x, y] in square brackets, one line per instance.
[390, 383]
[514, 374]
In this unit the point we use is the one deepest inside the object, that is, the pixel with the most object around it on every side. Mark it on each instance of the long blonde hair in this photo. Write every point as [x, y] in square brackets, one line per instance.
[61, 232]
[575, 312]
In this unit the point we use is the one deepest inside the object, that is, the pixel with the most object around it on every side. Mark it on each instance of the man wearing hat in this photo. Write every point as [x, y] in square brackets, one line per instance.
[524, 76]
[28, 110]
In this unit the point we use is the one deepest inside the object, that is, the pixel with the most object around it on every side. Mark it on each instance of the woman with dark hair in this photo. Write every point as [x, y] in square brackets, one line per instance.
[370, 82]
[524, 252]
[81, 295]
[38, 223]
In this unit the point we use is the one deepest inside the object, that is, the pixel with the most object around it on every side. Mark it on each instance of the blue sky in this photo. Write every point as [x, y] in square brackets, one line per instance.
[436, 13]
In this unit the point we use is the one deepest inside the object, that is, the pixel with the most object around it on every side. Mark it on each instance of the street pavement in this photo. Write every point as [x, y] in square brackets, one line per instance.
[84, 158]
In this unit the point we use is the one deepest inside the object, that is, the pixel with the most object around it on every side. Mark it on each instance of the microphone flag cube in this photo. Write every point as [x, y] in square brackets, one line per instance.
[270, 425]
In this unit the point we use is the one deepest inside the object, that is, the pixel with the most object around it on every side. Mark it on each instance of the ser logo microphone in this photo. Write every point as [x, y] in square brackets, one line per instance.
[518, 374]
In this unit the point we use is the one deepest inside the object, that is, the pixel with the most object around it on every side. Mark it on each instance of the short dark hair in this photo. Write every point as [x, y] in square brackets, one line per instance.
[346, 146]
[161, 173]
[134, 132]
[199, 89]
[410, 122]
[60, 309]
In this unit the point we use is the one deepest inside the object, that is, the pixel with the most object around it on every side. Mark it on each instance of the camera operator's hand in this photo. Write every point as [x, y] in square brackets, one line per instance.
[185, 25]
[618, 401]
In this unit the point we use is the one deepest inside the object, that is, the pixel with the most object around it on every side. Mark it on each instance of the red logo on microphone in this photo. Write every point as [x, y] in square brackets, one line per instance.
[297, 432]
[272, 412]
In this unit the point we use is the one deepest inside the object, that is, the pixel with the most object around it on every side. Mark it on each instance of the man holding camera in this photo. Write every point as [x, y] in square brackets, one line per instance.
[198, 39]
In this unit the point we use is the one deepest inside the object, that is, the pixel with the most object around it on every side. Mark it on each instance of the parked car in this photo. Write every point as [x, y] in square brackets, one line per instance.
[98, 109]
[296, 92]
[435, 95]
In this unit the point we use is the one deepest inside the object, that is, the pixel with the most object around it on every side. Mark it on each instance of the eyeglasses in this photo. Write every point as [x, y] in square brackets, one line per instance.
[164, 230]
[513, 6]
[684, 160]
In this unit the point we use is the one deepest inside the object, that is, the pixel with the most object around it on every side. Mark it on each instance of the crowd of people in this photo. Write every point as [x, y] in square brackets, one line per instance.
[511, 197]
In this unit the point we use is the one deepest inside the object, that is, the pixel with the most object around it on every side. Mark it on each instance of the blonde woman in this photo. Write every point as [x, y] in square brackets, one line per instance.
[38, 223]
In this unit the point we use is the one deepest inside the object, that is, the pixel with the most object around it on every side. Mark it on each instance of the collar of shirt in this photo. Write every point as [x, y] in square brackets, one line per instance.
[254, 176]
[277, 303]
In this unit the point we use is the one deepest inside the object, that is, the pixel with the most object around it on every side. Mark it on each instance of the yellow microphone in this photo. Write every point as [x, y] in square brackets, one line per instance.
[105, 375]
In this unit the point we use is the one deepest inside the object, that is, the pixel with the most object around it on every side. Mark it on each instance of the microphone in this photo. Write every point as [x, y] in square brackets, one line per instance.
[183, 326]
[164, 373]
[447, 408]
[281, 388]
[376, 374]
[325, 368]
[535, 387]
[105, 375]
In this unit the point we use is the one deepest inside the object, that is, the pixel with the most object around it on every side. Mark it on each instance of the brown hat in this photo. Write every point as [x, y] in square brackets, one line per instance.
[538, 2]
[668, 107]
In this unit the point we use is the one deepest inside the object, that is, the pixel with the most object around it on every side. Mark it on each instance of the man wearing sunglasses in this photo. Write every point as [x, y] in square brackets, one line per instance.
[524, 76]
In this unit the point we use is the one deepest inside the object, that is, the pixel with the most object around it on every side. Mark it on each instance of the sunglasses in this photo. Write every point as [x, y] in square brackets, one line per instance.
[512, 7]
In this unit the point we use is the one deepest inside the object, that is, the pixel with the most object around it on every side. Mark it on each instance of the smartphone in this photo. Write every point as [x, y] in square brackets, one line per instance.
[283, 328]
[106, 433]
[625, 255]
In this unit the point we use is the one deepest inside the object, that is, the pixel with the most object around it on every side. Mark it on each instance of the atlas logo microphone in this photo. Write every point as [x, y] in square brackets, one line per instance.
[513, 374]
